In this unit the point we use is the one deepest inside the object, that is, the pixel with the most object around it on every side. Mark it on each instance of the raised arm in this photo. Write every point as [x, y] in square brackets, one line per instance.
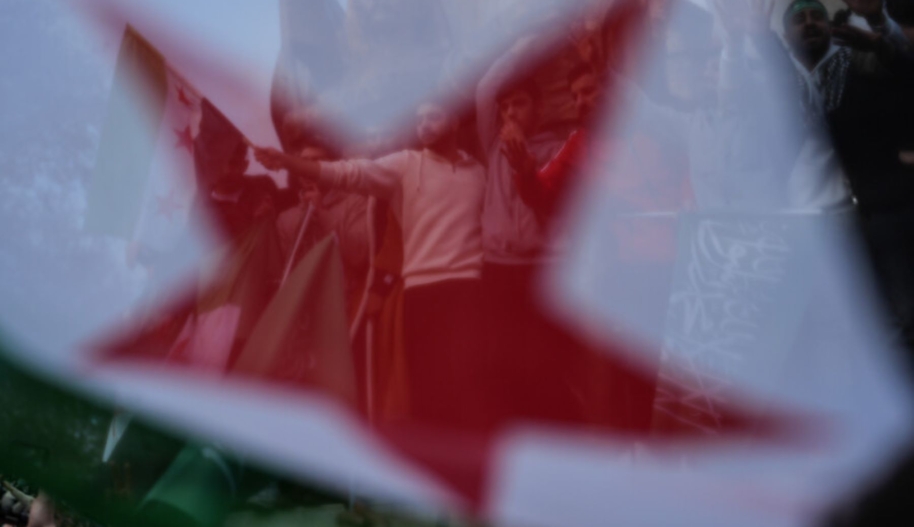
[380, 178]
[890, 49]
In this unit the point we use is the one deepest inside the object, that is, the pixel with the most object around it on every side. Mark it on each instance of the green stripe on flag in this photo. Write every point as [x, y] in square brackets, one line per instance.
[54, 439]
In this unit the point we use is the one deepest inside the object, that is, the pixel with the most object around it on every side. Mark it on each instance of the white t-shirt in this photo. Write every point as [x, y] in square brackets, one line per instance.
[438, 204]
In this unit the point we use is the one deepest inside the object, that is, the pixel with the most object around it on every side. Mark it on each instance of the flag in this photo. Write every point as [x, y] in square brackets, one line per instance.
[143, 183]
[246, 326]
[771, 427]
[143, 187]
[302, 337]
[136, 111]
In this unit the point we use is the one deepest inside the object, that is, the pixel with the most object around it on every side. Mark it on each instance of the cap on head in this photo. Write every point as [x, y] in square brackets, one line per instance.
[799, 5]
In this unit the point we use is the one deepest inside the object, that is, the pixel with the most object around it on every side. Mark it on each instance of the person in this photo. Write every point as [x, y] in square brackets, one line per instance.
[824, 68]
[508, 111]
[437, 195]
[825, 64]
[543, 188]
[716, 125]
[856, 100]
[517, 243]
[290, 221]
[341, 214]
[603, 39]
[719, 107]
[868, 15]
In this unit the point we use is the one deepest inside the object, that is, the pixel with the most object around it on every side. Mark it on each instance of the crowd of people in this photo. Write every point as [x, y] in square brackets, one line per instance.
[445, 228]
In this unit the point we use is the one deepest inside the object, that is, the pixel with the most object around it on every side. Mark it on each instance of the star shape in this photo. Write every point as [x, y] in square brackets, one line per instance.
[470, 477]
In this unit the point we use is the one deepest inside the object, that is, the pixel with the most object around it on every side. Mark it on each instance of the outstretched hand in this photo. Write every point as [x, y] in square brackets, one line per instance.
[270, 158]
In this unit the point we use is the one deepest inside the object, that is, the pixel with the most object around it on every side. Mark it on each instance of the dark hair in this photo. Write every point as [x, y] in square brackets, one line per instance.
[526, 85]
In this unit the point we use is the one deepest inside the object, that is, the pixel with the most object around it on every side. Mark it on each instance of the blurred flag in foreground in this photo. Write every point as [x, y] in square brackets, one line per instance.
[623, 313]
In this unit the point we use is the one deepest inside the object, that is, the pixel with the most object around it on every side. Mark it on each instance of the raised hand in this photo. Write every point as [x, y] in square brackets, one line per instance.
[519, 158]
[872, 10]
[515, 150]
[857, 38]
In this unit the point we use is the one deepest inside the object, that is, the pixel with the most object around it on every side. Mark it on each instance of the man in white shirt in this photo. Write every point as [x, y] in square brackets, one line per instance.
[823, 66]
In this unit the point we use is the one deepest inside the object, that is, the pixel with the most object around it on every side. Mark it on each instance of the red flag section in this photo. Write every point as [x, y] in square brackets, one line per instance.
[505, 363]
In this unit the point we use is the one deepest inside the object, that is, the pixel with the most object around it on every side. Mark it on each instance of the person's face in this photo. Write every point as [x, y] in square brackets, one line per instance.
[808, 32]
[434, 124]
[519, 108]
[587, 92]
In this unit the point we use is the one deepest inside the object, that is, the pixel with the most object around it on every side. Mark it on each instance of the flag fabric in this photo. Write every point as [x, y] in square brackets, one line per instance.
[132, 126]
[302, 338]
[144, 184]
[772, 388]
[144, 188]
[718, 312]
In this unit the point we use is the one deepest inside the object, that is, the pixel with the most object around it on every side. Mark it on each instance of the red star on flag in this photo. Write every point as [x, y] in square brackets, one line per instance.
[464, 456]
[548, 404]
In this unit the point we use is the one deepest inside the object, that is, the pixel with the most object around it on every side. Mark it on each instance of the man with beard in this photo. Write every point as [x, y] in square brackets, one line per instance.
[824, 68]
[858, 95]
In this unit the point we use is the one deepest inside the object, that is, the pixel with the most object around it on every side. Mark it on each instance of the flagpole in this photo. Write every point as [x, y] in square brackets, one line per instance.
[301, 234]
[363, 306]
